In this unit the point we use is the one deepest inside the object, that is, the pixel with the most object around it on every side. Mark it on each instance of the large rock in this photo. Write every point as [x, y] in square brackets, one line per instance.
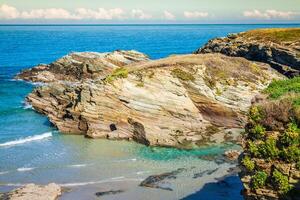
[278, 47]
[179, 101]
[34, 192]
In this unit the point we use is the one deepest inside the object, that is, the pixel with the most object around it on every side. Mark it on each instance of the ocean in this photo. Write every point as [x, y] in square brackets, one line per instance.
[32, 150]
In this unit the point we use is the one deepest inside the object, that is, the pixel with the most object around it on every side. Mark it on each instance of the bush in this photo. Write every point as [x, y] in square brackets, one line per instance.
[253, 149]
[255, 113]
[121, 72]
[259, 179]
[290, 135]
[248, 163]
[291, 153]
[298, 165]
[258, 131]
[183, 75]
[281, 182]
[268, 149]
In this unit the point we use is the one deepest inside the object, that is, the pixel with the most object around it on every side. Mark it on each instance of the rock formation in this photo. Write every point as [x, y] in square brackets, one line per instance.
[34, 192]
[179, 101]
[278, 47]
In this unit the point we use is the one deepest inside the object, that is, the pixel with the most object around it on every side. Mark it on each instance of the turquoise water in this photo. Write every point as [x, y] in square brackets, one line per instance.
[31, 150]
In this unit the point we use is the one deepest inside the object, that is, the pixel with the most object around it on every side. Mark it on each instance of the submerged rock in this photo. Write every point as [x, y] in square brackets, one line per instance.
[159, 181]
[278, 47]
[34, 192]
[110, 192]
[180, 101]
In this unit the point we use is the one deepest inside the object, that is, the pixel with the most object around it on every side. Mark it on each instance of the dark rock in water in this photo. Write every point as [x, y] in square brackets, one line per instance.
[208, 172]
[158, 181]
[99, 194]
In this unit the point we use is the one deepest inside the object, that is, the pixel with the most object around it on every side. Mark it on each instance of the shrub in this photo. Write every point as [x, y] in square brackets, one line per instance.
[258, 131]
[121, 72]
[255, 113]
[253, 149]
[259, 179]
[268, 149]
[290, 135]
[281, 182]
[248, 163]
[183, 75]
[298, 165]
[291, 153]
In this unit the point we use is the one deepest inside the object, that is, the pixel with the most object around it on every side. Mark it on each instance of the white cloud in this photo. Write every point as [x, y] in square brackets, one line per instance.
[168, 15]
[8, 12]
[100, 13]
[195, 14]
[269, 14]
[140, 14]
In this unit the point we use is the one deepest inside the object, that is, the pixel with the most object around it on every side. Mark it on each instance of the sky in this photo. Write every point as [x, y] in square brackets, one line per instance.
[149, 11]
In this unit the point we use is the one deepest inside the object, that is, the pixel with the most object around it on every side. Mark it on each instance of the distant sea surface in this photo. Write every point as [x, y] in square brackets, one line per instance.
[32, 150]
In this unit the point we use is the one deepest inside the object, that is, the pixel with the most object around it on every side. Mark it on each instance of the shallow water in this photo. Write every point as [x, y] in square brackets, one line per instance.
[31, 150]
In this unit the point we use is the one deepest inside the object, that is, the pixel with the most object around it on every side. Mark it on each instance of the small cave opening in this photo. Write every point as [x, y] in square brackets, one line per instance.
[112, 127]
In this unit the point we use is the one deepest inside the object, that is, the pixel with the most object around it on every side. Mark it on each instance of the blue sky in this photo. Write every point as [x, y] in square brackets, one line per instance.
[149, 11]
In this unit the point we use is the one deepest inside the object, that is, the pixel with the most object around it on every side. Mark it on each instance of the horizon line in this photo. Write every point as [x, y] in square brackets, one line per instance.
[134, 24]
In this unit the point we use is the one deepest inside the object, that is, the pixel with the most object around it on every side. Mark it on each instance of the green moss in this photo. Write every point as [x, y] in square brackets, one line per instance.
[182, 75]
[121, 72]
[281, 182]
[248, 163]
[259, 179]
[140, 84]
[218, 92]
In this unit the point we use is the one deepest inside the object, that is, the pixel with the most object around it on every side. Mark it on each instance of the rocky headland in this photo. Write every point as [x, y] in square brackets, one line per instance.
[179, 101]
[278, 47]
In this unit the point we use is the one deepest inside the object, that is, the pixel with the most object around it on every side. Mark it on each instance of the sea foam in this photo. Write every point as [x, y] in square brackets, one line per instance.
[26, 139]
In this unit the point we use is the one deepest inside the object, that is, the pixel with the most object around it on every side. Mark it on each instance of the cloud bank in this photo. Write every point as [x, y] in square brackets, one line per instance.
[195, 14]
[269, 14]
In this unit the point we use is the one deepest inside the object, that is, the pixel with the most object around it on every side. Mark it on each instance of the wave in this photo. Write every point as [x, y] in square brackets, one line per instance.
[125, 160]
[27, 139]
[78, 165]
[5, 172]
[24, 169]
[116, 179]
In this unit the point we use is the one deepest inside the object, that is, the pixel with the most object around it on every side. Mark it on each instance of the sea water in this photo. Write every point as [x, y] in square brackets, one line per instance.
[32, 150]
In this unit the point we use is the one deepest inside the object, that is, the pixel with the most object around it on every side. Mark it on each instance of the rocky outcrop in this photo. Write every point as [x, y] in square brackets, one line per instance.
[181, 101]
[278, 47]
[34, 192]
[81, 65]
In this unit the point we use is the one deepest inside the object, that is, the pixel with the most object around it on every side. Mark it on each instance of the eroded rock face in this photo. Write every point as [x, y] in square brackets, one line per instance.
[81, 65]
[278, 47]
[179, 101]
[34, 192]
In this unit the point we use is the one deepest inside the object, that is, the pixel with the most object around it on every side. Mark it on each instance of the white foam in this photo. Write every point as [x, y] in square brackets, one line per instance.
[24, 169]
[78, 165]
[5, 172]
[97, 182]
[142, 172]
[117, 178]
[27, 139]
[131, 159]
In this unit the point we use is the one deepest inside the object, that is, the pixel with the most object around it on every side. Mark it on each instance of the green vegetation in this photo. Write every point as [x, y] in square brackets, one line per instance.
[140, 84]
[248, 163]
[281, 182]
[272, 136]
[121, 72]
[259, 179]
[258, 131]
[182, 75]
[280, 88]
[277, 35]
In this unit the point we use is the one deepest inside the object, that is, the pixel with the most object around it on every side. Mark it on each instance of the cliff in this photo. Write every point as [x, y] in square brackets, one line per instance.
[180, 101]
[278, 47]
